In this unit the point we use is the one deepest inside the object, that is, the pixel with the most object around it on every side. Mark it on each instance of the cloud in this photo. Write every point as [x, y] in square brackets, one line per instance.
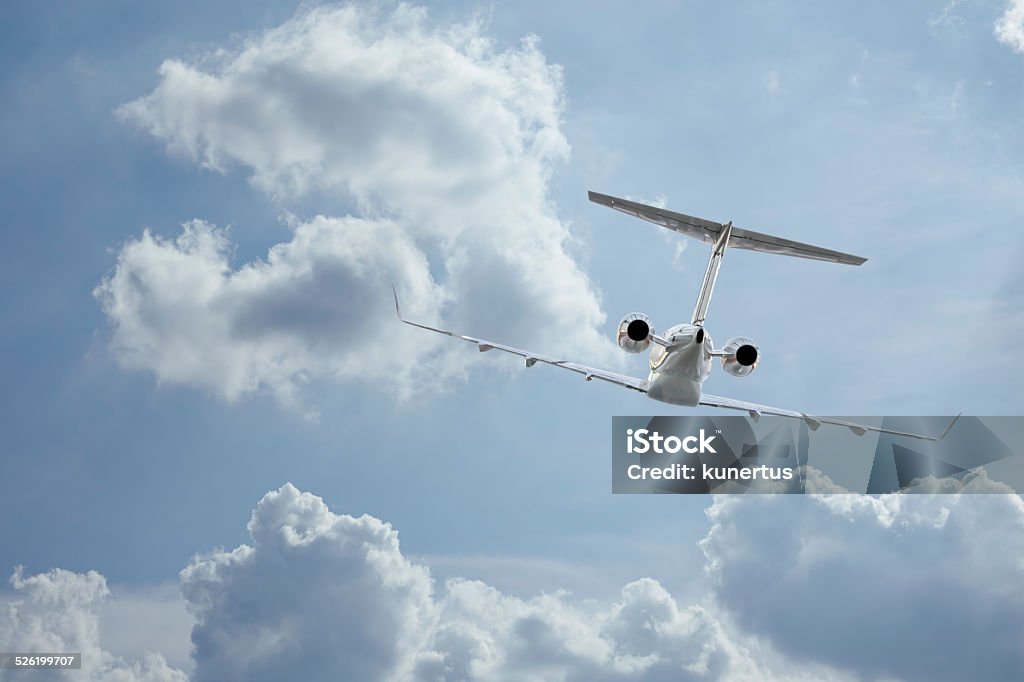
[319, 595]
[316, 306]
[1009, 28]
[444, 145]
[837, 587]
[872, 584]
[947, 19]
[375, 103]
[59, 612]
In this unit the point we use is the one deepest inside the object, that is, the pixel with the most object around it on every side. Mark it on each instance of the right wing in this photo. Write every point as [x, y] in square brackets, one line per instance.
[708, 231]
[756, 411]
[533, 358]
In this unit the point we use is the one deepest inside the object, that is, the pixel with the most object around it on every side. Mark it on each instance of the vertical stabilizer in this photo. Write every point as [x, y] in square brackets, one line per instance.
[700, 311]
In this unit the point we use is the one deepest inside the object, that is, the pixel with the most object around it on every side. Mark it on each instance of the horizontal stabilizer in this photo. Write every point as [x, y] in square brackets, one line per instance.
[708, 231]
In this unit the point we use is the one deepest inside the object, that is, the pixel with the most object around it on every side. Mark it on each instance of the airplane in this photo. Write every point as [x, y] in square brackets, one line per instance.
[681, 358]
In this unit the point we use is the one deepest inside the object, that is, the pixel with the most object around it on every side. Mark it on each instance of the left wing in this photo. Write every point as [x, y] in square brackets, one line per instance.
[756, 411]
[533, 358]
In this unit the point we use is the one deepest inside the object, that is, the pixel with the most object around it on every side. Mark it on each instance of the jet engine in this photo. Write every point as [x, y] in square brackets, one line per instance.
[740, 357]
[634, 334]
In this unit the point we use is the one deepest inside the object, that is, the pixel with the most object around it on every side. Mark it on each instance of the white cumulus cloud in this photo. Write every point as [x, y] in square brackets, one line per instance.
[836, 587]
[443, 143]
[325, 596]
[316, 306]
[59, 612]
[913, 587]
[1009, 28]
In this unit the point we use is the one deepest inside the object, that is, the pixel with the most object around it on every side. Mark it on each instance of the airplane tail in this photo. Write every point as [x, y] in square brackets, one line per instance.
[710, 232]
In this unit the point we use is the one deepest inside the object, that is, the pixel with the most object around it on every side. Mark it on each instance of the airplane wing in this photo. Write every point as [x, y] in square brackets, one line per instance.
[707, 231]
[533, 358]
[640, 385]
[756, 411]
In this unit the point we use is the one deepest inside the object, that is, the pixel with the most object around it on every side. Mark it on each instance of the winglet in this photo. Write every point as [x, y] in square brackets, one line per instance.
[946, 430]
[939, 437]
[398, 311]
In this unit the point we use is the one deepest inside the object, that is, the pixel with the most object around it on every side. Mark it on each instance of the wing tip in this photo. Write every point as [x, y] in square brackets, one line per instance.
[948, 427]
[398, 309]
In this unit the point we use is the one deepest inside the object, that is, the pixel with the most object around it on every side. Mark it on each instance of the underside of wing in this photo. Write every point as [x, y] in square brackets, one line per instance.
[755, 411]
[707, 231]
[533, 358]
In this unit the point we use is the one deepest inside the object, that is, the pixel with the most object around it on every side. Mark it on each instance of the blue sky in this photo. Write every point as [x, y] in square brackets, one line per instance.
[136, 435]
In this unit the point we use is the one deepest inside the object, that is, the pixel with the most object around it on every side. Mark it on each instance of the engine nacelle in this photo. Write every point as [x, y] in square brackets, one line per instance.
[741, 356]
[634, 334]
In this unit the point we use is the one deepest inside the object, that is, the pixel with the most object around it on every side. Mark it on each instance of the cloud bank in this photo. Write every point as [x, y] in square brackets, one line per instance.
[319, 595]
[840, 587]
[444, 146]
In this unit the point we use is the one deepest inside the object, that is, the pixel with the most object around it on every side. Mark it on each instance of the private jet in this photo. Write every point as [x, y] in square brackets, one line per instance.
[682, 357]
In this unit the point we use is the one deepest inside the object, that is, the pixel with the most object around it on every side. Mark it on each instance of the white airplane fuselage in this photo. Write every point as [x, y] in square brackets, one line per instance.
[679, 372]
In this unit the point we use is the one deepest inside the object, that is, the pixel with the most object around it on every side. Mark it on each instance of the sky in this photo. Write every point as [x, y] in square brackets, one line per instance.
[215, 432]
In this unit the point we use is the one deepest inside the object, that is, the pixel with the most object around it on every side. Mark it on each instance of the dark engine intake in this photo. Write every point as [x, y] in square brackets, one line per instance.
[740, 357]
[634, 334]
